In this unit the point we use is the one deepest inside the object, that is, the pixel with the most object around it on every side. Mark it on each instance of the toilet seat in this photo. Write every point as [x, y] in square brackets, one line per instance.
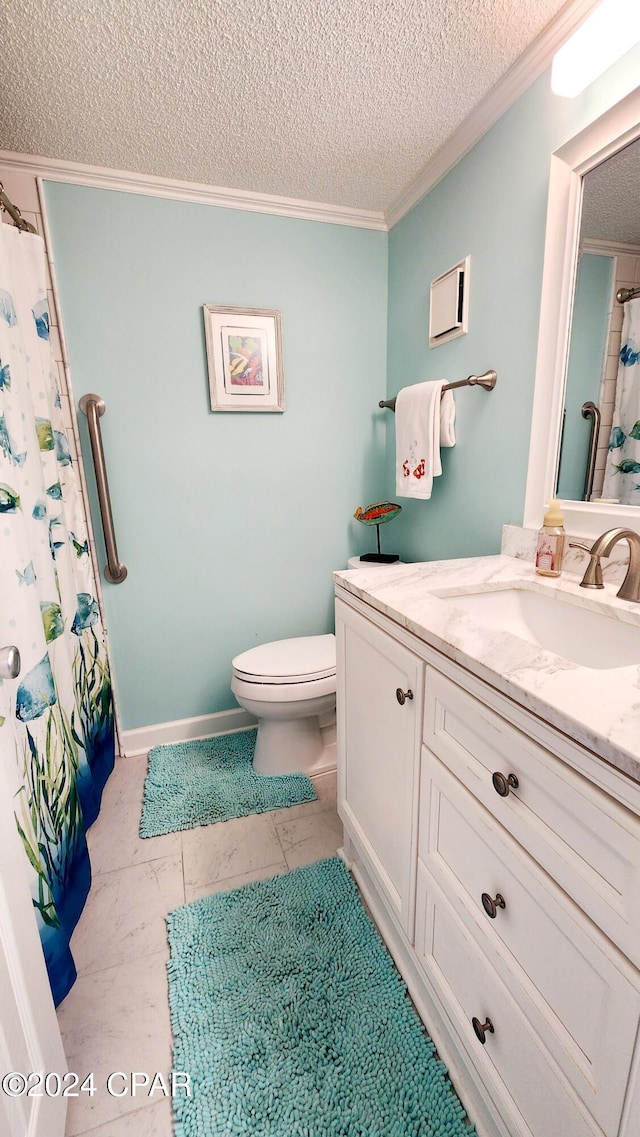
[304, 659]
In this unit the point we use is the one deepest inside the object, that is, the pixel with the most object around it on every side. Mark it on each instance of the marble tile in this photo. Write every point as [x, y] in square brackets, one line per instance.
[310, 838]
[196, 892]
[618, 314]
[518, 542]
[521, 544]
[325, 787]
[625, 268]
[115, 1020]
[114, 841]
[124, 916]
[149, 1121]
[229, 849]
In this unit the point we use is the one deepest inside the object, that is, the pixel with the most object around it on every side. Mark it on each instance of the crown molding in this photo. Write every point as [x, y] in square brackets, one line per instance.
[529, 67]
[57, 170]
[601, 248]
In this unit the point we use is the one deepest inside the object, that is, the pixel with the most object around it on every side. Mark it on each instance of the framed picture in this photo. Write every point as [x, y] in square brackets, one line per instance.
[244, 357]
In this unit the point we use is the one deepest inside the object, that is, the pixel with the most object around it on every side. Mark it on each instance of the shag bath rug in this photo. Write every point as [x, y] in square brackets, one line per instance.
[212, 779]
[291, 1020]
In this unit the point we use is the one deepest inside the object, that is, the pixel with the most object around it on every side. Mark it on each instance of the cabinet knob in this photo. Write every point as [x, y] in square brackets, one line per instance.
[402, 696]
[491, 906]
[482, 1029]
[502, 785]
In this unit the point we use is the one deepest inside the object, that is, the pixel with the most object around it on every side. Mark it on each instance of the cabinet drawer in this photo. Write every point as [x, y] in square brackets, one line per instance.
[578, 993]
[521, 1076]
[589, 843]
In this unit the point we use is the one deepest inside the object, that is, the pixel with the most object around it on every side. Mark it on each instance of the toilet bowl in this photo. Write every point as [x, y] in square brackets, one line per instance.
[290, 687]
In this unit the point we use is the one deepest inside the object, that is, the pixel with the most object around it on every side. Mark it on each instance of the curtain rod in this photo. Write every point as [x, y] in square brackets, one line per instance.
[624, 294]
[15, 214]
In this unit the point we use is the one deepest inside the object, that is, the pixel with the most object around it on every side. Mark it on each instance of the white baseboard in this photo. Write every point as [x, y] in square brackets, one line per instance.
[142, 738]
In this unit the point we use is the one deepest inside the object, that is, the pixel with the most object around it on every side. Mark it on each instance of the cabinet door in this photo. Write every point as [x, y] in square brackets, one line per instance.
[378, 753]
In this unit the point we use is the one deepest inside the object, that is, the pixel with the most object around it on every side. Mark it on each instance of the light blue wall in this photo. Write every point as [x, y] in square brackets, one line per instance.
[492, 205]
[230, 524]
[584, 368]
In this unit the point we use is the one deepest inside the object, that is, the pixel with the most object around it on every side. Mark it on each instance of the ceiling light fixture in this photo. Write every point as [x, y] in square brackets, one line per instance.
[611, 30]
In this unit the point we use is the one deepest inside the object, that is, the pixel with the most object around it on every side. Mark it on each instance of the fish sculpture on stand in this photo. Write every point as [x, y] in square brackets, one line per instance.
[378, 513]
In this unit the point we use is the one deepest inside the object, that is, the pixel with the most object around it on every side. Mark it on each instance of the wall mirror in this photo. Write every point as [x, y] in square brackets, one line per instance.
[592, 250]
[602, 391]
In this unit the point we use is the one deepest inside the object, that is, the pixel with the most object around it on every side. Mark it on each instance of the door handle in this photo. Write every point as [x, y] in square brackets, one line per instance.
[9, 662]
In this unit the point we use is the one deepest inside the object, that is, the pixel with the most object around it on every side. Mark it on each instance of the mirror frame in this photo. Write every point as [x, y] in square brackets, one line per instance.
[605, 136]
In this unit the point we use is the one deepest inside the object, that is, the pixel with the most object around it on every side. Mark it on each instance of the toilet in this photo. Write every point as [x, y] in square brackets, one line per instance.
[290, 687]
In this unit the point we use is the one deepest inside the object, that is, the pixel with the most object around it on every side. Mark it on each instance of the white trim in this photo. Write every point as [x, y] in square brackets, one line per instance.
[142, 738]
[57, 170]
[599, 248]
[608, 134]
[531, 64]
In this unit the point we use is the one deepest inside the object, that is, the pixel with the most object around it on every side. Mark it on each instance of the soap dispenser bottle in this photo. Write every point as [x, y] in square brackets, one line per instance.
[550, 547]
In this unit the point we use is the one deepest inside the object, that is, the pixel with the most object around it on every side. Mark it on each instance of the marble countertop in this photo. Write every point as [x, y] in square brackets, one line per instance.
[599, 708]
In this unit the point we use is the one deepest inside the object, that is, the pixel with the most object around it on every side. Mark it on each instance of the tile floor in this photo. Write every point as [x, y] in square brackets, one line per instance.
[115, 1019]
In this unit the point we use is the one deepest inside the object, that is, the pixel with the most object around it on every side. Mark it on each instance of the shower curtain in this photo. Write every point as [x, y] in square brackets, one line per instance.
[56, 718]
[622, 475]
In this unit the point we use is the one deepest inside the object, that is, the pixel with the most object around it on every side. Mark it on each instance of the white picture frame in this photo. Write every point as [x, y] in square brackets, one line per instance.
[244, 358]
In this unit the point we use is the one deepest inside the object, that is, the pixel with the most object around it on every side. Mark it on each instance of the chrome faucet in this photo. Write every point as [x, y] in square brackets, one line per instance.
[630, 587]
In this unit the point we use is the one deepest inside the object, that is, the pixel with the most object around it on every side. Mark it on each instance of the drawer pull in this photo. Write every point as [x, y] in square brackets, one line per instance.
[402, 696]
[491, 906]
[481, 1029]
[502, 785]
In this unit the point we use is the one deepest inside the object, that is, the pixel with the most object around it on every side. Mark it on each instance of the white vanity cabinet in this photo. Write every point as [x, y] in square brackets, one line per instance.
[502, 864]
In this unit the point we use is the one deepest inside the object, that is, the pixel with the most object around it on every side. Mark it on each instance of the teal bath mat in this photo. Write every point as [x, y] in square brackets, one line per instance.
[291, 1020]
[212, 779]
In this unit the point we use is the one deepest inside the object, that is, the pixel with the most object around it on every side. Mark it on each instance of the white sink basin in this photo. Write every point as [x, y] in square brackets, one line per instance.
[586, 636]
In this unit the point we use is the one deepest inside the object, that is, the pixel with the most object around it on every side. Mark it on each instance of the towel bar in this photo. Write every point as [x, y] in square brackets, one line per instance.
[488, 380]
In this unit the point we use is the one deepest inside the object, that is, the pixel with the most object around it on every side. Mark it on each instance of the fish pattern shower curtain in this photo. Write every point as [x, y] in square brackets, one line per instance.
[622, 476]
[56, 718]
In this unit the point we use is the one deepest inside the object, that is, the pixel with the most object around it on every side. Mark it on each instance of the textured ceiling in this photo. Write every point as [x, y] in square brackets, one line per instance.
[342, 101]
[611, 198]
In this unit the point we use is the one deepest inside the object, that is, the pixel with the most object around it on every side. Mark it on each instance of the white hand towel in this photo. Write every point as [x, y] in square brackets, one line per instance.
[447, 419]
[418, 439]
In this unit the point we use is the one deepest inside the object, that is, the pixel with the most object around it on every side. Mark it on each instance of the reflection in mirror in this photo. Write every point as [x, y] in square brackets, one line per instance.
[603, 366]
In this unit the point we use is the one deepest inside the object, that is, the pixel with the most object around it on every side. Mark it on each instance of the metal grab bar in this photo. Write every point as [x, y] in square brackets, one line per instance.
[93, 407]
[590, 410]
